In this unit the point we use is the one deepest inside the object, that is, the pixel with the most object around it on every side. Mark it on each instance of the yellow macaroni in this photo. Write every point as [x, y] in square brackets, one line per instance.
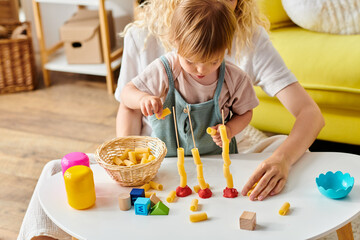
[148, 194]
[181, 168]
[128, 163]
[146, 187]
[194, 205]
[165, 112]
[156, 186]
[211, 131]
[284, 209]
[132, 157]
[171, 197]
[125, 155]
[198, 217]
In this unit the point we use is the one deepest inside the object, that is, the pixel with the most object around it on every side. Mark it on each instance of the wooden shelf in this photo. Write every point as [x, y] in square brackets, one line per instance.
[58, 62]
[54, 59]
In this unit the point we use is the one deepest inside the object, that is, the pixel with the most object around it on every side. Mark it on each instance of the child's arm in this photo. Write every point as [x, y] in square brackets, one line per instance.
[133, 98]
[128, 121]
[235, 125]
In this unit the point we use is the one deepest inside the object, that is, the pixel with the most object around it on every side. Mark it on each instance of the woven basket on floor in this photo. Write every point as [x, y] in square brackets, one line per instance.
[135, 175]
[17, 62]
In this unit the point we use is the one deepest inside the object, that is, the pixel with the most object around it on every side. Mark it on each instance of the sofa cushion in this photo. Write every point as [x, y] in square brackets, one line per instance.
[326, 65]
[330, 16]
[275, 12]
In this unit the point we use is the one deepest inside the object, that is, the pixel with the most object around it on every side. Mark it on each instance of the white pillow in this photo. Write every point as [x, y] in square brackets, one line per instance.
[329, 16]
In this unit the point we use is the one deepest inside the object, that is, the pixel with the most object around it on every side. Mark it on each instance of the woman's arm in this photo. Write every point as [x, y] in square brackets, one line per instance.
[273, 172]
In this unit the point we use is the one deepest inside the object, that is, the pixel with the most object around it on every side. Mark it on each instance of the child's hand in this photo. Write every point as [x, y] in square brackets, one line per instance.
[217, 137]
[272, 174]
[150, 105]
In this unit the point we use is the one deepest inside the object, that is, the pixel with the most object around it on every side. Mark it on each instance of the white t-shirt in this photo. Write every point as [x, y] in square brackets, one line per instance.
[263, 64]
[237, 93]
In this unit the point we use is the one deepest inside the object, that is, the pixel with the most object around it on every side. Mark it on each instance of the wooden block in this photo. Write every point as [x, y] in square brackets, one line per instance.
[248, 220]
[124, 201]
[154, 199]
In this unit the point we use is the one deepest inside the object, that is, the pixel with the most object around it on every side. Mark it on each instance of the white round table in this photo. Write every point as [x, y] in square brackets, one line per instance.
[311, 214]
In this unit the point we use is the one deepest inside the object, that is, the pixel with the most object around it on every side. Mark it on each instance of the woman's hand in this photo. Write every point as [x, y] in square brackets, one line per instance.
[271, 176]
[150, 105]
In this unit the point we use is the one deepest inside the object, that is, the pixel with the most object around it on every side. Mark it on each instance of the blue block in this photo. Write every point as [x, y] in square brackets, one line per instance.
[135, 193]
[142, 206]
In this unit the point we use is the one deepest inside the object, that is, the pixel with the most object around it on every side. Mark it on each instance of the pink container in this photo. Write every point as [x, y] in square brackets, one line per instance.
[74, 159]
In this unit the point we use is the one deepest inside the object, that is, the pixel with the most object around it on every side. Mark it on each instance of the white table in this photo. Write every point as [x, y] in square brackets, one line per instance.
[312, 215]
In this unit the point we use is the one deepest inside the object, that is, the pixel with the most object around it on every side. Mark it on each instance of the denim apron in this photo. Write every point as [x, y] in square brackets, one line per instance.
[202, 115]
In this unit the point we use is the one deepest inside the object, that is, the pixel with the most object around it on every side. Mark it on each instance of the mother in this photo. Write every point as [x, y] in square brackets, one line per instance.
[145, 40]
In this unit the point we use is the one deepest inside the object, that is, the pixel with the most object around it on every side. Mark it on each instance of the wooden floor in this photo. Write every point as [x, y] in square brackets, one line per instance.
[74, 114]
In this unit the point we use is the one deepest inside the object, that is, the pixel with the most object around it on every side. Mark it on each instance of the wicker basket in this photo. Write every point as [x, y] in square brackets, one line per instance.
[135, 175]
[17, 63]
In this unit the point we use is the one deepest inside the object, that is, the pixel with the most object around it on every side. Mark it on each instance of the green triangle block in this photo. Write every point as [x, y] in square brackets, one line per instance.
[159, 209]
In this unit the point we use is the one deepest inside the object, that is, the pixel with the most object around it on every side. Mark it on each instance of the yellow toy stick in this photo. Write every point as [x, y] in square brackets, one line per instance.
[165, 112]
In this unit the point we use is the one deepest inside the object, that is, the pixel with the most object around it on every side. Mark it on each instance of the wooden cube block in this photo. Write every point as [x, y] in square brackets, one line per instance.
[248, 220]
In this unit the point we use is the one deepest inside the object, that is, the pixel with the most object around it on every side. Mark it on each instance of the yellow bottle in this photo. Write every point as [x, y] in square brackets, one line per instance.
[80, 188]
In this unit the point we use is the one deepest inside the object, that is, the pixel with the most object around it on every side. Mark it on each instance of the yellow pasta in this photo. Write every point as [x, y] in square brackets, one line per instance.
[199, 170]
[132, 157]
[128, 163]
[165, 112]
[146, 187]
[142, 150]
[151, 158]
[156, 186]
[196, 156]
[194, 205]
[125, 155]
[228, 176]
[171, 197]
[118, 161]
[148, 194]
[211, 131]
[197, 187]
[181, 168]
[198, 217]
[284, 209]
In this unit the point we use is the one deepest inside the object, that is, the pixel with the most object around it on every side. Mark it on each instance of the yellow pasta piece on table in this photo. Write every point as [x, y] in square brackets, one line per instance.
[202, 183]
[165, 112]
[156, 186]
[211, 131]
[148, 194]
[199, 170]
[198, 217]
[194, 205]
[196, 156]
[171, 197]
[284, 209]
[146, 186]
[197, 187]
[125, 155]
[128, 163]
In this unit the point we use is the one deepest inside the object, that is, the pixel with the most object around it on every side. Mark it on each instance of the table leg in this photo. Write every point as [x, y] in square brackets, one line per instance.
[345, 233]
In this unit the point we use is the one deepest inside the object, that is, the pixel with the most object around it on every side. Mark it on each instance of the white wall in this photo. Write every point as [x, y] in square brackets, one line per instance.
[54, 15]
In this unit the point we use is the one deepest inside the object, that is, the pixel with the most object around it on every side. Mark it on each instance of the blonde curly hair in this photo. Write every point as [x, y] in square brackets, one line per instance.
[156, 16]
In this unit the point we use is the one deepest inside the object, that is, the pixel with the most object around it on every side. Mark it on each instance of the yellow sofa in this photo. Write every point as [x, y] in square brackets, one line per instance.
[326, 65]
